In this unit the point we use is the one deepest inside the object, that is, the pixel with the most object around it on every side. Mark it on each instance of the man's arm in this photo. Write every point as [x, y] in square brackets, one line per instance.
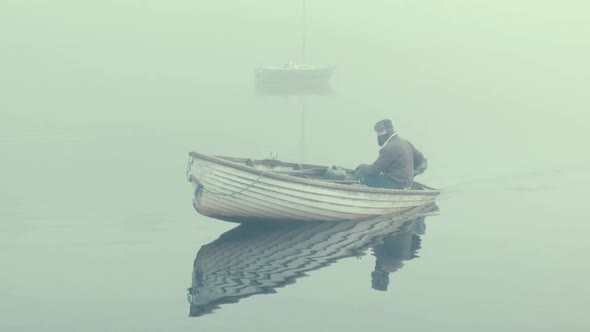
[384, 160]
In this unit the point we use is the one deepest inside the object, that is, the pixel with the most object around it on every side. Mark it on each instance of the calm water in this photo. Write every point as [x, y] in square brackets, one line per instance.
[100, 104]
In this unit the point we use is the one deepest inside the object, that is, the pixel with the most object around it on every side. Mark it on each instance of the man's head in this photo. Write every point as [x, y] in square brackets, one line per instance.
[384, 130]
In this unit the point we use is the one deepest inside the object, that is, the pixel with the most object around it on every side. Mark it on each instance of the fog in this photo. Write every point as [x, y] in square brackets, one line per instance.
[101, 101]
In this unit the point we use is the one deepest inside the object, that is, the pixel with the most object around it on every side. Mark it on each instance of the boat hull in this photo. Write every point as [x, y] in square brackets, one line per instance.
[234, 192]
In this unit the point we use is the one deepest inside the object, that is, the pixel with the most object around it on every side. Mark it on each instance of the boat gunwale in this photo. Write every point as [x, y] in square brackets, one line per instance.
[233, 162]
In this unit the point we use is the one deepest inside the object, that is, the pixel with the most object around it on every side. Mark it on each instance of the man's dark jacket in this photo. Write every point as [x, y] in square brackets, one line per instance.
[397, 159]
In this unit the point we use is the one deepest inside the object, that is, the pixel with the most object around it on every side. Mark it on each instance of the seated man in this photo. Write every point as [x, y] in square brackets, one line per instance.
[397, 164]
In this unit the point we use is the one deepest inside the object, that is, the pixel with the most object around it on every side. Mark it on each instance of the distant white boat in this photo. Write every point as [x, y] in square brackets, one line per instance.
[293, 73]
[238, 189]
[257, 258]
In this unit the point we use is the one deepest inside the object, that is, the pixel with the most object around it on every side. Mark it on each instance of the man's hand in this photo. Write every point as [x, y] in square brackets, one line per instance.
[362, 168]
[360, 172]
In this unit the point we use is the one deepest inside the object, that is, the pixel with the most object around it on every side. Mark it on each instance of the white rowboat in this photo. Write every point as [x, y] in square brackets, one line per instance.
[238, 189]
[293, 73]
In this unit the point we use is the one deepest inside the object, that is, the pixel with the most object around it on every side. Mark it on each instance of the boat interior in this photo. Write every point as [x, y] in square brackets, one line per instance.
[315, 172]
[333, 174]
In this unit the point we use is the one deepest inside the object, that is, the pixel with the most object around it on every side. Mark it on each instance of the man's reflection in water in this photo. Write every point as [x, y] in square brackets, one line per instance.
[393, 252]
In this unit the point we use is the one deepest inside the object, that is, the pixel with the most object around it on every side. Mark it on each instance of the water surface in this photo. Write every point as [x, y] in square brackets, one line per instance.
[101, 102]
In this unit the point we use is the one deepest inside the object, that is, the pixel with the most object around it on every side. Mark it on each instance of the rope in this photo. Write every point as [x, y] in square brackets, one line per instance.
[235, 192]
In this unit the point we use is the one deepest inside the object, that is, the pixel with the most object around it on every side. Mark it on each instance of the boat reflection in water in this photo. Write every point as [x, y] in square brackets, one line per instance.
[256, 258]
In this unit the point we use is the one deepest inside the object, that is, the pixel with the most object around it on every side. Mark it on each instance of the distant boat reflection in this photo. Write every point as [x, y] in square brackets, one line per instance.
[288, 88]
[257, 258]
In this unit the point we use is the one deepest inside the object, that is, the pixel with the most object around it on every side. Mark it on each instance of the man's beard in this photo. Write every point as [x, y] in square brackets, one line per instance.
[381, 139]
